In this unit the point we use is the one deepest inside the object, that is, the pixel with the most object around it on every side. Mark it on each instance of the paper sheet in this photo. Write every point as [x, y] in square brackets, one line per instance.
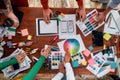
[67, 26]
[110, 26]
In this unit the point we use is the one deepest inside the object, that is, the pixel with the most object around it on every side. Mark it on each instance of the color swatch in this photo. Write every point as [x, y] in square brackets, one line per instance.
[72, 46]
[91, 23]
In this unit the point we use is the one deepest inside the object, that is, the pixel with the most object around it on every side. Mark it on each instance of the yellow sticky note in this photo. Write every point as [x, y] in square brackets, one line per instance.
[104, 46]
[107, 36]
[29, 37]
[84, 62]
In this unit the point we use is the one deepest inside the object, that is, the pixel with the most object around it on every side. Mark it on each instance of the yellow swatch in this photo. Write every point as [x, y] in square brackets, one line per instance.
[84, 62]
[107, 36]
[29, 37]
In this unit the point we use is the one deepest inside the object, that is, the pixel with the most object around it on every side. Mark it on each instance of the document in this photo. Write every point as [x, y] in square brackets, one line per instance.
[67, 26]
[110, 25]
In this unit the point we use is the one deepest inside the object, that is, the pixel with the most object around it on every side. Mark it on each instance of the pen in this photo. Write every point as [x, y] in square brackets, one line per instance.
[53, 40]
[109, 20]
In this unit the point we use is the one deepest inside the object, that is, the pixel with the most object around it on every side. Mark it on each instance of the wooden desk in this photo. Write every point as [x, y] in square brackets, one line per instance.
[29, 21]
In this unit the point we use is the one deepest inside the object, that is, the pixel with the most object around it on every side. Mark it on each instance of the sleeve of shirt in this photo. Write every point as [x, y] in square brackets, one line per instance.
[69, 72]
[45, 4]
[114, 3]
[32, 73]
[8, 63]
[59, 76]
[80, 3]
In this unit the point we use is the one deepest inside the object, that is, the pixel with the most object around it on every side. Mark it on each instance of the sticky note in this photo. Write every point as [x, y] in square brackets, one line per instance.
[91, 61]
[86, 52]
[9, 37]
[113, 65]
[29, 37]
[75, 63]
[107, 36]
[24, 32]
[84, 62]
[90, 48]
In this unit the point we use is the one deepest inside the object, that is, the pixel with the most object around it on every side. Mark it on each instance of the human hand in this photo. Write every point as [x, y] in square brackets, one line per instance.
[45, 52]
[104, 14]
[47, 13]
[61, 68]
[102, 17]
[67, 58]
[14, 18]
[20, 57]
[80, 12]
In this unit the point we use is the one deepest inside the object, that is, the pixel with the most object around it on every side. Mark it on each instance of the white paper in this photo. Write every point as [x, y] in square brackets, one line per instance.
[8, 71]
[67, 26]
[110, 26]
[77, 37]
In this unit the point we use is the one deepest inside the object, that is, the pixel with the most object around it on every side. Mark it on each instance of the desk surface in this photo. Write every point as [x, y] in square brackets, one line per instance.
[29, 21]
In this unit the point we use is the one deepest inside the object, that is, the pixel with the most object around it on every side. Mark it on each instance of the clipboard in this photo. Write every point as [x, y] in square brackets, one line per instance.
[43, 29]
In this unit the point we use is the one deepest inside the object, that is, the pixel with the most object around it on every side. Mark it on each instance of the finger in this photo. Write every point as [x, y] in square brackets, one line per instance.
[45, 19]
[77, 14]
[42, 50]
[48, 19]
[22, 54]
[51, 14]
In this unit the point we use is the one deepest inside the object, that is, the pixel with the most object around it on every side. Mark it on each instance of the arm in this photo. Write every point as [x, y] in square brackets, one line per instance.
[32, 73]
[61, 73]
[59, 76]
[45, 4]
[8, 63]
[113, 3]
[80, 3]
[69, 72]
[80, 12]
[47, 13]
[11, 14]
[8, 5]
[68, 68]
[110, 6]
[18, 59]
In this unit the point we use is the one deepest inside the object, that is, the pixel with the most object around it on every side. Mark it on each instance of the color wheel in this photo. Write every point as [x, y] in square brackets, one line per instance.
[72, 45]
